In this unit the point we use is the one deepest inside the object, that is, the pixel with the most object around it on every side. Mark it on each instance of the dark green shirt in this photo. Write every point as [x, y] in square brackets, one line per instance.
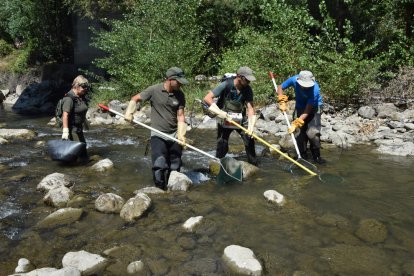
[76, 107]
[164, 107]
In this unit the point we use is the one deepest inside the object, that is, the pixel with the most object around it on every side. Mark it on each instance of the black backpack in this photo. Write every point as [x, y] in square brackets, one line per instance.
[59, 111]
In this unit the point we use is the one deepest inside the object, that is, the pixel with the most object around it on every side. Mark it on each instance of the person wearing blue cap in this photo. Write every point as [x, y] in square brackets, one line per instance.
[307, 115]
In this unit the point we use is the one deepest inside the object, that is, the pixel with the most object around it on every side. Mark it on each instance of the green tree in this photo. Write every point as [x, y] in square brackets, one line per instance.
[149, 40]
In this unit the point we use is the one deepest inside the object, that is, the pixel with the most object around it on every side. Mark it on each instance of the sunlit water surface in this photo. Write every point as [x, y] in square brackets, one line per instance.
[316, 231]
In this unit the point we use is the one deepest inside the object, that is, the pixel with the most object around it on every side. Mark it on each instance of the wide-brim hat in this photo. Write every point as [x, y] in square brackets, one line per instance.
[306, 79]
[247, 73]
[175, 73]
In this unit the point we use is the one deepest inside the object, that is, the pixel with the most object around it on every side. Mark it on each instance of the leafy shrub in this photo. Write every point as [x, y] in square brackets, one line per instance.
[148, 41]
[5, 48]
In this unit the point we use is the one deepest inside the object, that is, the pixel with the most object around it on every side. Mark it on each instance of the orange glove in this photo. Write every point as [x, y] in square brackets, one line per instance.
[282, 100]
[297, 123]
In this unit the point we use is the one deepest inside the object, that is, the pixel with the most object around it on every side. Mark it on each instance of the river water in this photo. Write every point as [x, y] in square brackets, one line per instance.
[317, 232]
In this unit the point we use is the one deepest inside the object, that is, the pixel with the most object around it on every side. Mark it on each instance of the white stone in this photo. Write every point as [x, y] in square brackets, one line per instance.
[87, 263]
[135, 267]
[275, 197]
[242, 260]
[23, 265]
[192, 222]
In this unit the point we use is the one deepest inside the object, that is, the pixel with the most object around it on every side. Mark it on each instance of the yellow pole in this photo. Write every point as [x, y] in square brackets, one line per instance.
[274, 148]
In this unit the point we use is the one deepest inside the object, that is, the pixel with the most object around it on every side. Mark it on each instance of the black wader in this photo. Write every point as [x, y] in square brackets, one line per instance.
[310, 132]
[166, 157]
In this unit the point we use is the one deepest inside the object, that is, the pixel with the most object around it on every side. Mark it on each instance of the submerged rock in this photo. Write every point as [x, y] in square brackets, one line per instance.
[23, 134]
[103, 165]
[372, 231]
[61, 217]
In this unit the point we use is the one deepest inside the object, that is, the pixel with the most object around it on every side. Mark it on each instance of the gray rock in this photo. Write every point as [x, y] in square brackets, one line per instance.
[248, 169]
[135, 207]
[58, 197]
[22, 134]
[179, 182]
[366, 112]
[87, 263]
[109, 203]
[61, 217]
[52, 181]
[103, 165]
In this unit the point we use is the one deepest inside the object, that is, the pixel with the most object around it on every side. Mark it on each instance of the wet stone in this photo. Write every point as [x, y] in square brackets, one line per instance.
[332, 220]
[158, 267]
[186, 243]
[202, 266]
[372, 231]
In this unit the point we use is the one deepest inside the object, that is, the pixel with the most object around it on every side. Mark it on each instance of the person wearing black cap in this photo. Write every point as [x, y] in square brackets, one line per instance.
[235, 102]
[307, 115]
[167, 115]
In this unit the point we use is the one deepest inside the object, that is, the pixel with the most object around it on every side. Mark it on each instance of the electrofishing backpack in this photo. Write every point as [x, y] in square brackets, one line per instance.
[59, 111]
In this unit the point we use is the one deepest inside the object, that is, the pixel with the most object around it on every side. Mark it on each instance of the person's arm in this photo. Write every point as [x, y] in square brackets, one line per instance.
[180, 115]
[250, 109]
[65, 119]
[306, 112]
[181, 126]
[281, 98]
[132, 107]
[251, 118]
[209, 98]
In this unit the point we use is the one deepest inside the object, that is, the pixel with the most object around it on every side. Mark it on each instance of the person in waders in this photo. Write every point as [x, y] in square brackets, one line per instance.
[167, 115]
[307, 114]
[74, 108]
[235, 102]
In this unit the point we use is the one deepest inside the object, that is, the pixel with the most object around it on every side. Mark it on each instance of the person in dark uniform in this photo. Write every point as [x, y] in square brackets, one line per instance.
[167, 115]
[235, 102]
[74, 109]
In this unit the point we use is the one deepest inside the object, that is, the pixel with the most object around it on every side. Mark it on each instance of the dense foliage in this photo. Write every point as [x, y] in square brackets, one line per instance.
[353, 47]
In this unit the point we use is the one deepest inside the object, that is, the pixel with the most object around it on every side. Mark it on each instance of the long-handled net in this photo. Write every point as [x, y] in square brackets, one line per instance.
[230, 168]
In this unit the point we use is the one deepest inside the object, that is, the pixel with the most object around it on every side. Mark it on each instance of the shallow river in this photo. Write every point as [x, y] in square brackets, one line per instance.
[318, 231]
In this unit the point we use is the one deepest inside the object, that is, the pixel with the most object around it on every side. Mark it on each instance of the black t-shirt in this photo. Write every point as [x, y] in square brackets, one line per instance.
[76, 107]
[164, 107]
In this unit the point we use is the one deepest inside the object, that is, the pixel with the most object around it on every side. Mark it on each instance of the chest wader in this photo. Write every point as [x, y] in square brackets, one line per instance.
[223, 133]
[76, 128]
[310, 132]
[166, 157]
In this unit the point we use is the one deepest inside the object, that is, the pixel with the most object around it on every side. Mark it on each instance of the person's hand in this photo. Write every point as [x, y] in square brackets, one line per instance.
[251, 121]
[220, 113]
[65, 133]
[282, 100]
[297, 123]
[181, 130]
[129, 113]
